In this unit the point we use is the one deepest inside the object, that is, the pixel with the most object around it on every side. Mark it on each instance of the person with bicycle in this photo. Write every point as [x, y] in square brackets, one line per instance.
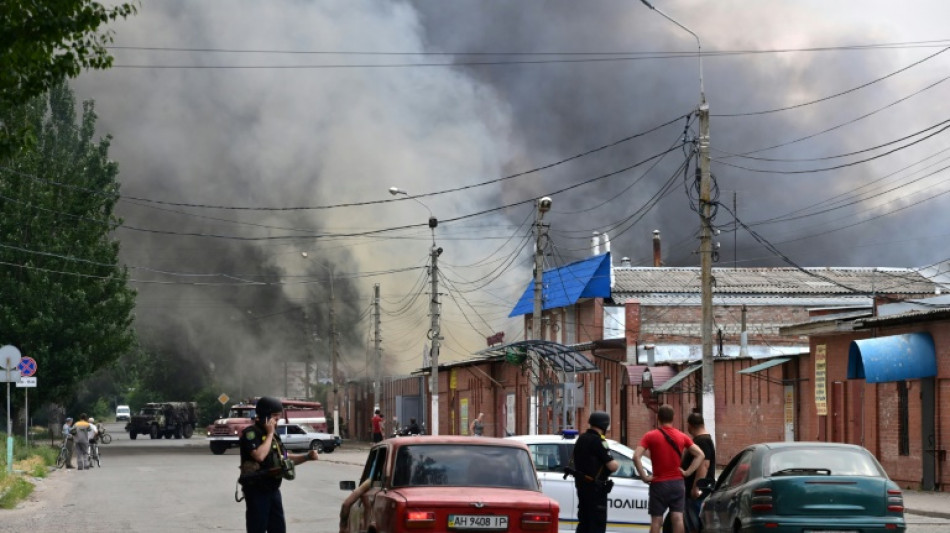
[93, 441]
[68, 442]
[81, 432]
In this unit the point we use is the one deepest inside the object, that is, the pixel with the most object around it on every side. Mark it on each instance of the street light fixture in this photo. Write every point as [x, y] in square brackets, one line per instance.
[333, 351]
[705, 240]
[435, 332]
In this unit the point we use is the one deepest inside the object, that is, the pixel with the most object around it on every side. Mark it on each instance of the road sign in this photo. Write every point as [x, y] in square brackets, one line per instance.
[27, 366]
[223, 398]
[9, 357]
[11, 376]
[26, 382]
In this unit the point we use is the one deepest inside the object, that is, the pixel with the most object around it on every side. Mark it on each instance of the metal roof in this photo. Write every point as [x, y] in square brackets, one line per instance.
[565, 285]
[765, 366]
[676, 379]
[632, 281]
[561, 357]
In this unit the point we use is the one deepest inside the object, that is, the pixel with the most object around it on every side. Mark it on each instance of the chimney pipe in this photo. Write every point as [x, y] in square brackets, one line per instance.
[657, 256]
[625, 262]
[595, 243]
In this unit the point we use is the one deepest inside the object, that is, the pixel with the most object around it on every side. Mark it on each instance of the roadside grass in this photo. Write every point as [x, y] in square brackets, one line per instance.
[33, 461]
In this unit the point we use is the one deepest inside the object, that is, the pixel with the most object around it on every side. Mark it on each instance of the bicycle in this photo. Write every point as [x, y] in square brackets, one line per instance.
[94, 454]
[64, 455]
[106, 438]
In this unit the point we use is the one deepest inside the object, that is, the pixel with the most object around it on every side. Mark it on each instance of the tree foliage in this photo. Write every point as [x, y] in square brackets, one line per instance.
[45, 42]
[65, 300]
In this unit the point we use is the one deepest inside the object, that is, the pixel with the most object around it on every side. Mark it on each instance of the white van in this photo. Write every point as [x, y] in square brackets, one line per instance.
[122, 412]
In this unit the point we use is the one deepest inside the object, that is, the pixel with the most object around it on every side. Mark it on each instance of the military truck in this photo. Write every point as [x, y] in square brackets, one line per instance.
[164, 419]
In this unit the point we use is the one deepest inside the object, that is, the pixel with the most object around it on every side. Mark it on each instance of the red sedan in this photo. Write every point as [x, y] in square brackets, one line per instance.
[442, 483]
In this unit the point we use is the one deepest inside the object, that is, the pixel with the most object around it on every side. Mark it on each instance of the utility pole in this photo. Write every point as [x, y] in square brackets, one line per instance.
[435, 331]
[333, 358]
[705, 239]
[544, 205]
[379, 356]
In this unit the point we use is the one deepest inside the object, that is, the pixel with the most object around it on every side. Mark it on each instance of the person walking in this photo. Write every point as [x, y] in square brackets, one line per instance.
[69, 442]
[592, 466]
[696, 427]
[666, 446]
[82, 432]
[378, 427]
[264, 464]
[477, 428]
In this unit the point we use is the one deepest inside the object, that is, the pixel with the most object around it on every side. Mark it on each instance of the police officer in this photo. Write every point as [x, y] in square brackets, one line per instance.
[264, 463]
[593, 465]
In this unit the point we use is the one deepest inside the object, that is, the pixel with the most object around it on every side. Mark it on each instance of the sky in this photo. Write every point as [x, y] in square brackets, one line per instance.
[257, 142]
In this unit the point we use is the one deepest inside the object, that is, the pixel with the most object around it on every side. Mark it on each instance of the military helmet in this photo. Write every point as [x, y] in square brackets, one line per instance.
[267, 406]
[599, 419]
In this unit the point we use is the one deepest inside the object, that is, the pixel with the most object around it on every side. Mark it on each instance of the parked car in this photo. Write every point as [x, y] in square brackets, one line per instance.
[440, 483]
[122, 412]
[627, 502]
[782, 487]
[297, 436]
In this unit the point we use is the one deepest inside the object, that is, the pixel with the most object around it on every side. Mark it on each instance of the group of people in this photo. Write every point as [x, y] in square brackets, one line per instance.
[79, 438]
[680, 461]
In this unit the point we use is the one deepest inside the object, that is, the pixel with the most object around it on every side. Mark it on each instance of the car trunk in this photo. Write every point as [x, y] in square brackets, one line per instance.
[828, 496]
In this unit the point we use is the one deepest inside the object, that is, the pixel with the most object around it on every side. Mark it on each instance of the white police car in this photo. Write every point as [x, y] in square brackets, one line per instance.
[627, 502]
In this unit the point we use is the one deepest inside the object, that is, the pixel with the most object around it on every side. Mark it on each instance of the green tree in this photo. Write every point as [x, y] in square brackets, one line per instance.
[65, 300]
[45, 42]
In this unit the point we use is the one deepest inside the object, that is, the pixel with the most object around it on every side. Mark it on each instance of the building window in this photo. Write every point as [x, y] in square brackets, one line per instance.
[903, 435]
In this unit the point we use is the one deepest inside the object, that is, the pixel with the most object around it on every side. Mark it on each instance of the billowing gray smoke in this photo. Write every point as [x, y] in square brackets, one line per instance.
[232, 288]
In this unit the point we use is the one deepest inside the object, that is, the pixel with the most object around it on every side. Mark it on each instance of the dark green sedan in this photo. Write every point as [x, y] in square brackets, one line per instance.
[804, 487]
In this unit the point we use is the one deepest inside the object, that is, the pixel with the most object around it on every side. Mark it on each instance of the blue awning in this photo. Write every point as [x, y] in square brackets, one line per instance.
[893, 358]
[563, 286]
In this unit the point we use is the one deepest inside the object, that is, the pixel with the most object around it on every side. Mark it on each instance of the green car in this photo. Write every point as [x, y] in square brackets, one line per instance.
[784, 487]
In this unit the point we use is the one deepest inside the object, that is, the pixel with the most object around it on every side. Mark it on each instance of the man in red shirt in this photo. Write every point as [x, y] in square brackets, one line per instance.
[377, 427]
[665, 446]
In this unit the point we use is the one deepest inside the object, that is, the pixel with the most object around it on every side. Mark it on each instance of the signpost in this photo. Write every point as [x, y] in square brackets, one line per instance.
[10, 360]
[27, 368]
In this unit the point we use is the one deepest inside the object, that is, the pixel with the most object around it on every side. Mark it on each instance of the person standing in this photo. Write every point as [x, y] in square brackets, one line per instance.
[592, 465]
[667, 446]
[68, 439]
[93, 439]
[82, 432]
[477, 428]
[696, 427]
[264, 464]
[378, 427]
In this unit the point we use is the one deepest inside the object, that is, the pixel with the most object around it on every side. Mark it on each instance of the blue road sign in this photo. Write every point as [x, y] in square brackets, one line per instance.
[27, 366]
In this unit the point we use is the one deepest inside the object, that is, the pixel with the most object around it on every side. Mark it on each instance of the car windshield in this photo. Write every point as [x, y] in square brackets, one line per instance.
[308, 428]
[464, 466]
[822, 461]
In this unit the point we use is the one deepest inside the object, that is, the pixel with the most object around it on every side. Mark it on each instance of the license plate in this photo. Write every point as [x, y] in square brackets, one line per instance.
[481, 521]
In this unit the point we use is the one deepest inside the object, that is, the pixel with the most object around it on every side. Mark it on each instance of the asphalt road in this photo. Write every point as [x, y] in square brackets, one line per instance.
[172, 485]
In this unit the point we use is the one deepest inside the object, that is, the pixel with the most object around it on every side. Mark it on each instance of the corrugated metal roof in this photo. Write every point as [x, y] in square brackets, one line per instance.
[630, 281]
[563, 286]
[693, 299]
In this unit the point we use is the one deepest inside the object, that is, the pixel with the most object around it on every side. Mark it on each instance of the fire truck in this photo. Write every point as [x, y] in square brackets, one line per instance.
[224, 433]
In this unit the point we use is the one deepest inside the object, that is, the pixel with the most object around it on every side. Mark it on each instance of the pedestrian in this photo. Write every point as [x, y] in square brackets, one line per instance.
[413, 428]
[93, 439]
[666, 446]
[264, 464]
[378, 426]
[592, 466]
[82, 433]
[696, 427]
[69, 442]
[476, 427]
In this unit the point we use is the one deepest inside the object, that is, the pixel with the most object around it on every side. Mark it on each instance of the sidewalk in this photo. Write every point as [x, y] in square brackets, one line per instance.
[934, 504]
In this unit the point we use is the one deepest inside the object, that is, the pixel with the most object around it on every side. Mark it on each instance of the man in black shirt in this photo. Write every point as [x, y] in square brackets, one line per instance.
[696, 427]
[593, 465]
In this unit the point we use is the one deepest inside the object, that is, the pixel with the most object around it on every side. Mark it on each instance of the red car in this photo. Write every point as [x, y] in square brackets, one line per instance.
[444, 483]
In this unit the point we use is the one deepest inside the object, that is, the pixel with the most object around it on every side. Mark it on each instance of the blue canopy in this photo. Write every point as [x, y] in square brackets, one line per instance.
[563, 286]
[893, 358]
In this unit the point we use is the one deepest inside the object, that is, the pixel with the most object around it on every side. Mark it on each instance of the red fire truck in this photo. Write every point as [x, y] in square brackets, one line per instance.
[224, 433]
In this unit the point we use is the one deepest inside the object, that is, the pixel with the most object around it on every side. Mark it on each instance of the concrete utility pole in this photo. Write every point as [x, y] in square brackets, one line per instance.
[379, 356]
[333, 358]
[705, 240]
[435, 330]
[544, 205]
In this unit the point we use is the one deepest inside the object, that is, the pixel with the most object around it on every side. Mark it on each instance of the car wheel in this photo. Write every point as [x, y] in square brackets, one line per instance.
[316, 445]
[328, 448]
[133, 434]
[187, 431]
[153, 432]
[218, 448]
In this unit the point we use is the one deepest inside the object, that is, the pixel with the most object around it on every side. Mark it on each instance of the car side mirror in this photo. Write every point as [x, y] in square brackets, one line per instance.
[348, 485]
[705, 485]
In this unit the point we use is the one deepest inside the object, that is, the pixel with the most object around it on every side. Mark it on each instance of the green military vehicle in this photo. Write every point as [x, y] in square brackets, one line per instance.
[164, 419]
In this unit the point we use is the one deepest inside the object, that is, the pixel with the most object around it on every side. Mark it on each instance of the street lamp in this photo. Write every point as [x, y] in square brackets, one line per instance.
[435, 332]
[705, 239]
[333, 352]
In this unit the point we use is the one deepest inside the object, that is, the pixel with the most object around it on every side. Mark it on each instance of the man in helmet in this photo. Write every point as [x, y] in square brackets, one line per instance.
[666, 445]
[264, 463]
[593, 465]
